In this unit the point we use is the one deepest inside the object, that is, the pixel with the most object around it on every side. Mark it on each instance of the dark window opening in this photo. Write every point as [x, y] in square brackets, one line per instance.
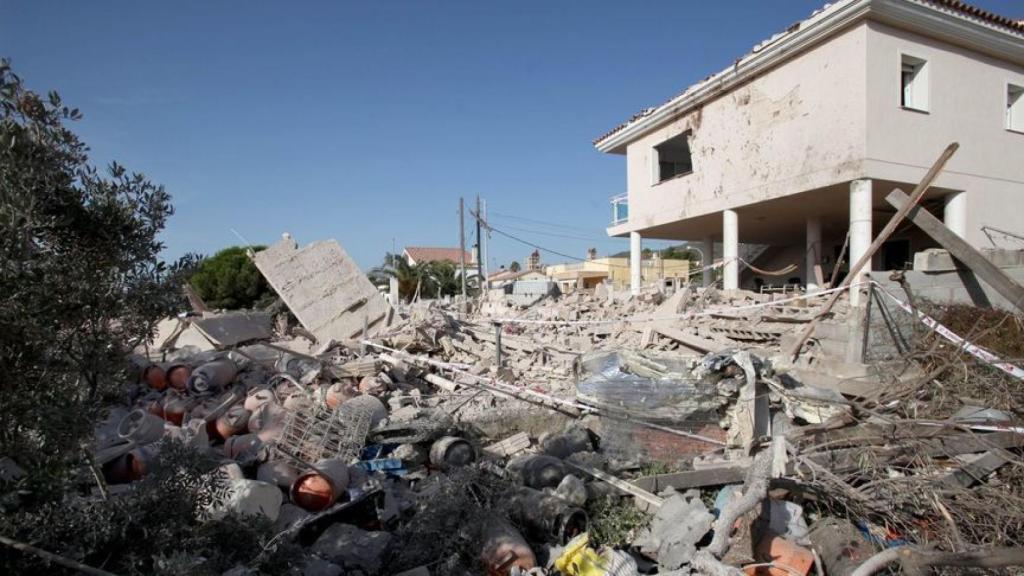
[896, 255]
[674, 157]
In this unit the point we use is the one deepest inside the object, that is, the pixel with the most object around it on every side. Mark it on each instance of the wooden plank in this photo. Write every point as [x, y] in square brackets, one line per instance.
[509, 446]
[851, 459]
[357, 368]
[819, 276]
[442, 383]
[692, 341]
[693, 478]
[883, 236]
[961, 250]
[974, 471]
[626, 487]
[846, 460]
[646, 338]
[506, 341]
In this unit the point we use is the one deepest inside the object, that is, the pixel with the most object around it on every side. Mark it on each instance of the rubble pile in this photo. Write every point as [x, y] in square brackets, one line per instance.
[595, 433]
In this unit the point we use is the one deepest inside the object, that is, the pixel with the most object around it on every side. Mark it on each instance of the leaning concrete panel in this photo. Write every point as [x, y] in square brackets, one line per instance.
[234, 328]
[324, 288]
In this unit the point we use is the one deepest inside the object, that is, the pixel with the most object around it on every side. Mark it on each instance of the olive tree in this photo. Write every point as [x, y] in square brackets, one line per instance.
[81, 279]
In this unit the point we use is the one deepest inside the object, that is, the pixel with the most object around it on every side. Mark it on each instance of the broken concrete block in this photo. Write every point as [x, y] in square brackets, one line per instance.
[234, 328]
[352, 547]
[509, 446]
[325, 289]
[680, 523]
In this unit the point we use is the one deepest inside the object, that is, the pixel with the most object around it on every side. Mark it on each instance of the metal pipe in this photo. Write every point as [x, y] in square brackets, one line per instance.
[497, 344]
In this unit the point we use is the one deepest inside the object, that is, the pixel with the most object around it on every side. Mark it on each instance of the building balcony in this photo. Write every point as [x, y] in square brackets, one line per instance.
[620, 209]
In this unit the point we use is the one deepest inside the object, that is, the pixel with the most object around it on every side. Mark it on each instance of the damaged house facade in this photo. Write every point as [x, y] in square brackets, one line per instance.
[797, 143]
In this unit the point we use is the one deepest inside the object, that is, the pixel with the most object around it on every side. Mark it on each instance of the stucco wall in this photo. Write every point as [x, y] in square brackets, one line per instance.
[967, 103]
[798, 127]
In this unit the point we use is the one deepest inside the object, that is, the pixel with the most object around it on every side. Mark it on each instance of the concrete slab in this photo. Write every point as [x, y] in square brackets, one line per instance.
[324, 288]
[235, 327]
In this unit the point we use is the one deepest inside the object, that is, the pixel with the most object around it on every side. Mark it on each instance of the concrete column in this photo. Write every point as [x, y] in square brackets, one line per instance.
[393, 291]
[954, 215]
[635, 256]
[709, 258]
[730, 250]
[860, 230]
[813, 252]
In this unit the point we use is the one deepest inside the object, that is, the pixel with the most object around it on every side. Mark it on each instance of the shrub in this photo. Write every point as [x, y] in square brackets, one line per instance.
[231, 280]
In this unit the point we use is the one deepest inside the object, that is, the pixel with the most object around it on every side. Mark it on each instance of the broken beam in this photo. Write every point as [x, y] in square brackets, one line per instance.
[691, 341]
[622, 485]
[960, 250]
[883, 236]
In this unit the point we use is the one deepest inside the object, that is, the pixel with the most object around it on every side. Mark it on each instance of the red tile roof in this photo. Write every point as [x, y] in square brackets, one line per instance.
[982, 14]
[426, 254]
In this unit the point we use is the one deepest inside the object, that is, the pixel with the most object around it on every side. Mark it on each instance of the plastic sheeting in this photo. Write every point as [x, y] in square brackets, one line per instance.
[664, 388]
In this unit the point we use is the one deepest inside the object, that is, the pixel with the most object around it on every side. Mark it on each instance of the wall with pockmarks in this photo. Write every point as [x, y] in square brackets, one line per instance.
[799, 126]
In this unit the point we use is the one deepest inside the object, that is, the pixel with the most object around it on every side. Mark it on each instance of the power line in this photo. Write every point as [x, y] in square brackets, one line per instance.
[549, 250]
[557, 235]
[541, 222]
[665, 243]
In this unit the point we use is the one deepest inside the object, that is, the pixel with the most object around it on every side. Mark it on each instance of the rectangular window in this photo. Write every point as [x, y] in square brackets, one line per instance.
[913, 83]
[674, 157]
[1015, 108]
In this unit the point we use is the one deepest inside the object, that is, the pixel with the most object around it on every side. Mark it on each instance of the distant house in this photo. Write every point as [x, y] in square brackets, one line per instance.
[421, 254]
[504, 277]
[615, 270]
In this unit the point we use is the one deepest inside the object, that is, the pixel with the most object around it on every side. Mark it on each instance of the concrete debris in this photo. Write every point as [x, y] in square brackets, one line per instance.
[509, 446]
[677, 527]
[325, 289]
[233, 328]
[587, 440]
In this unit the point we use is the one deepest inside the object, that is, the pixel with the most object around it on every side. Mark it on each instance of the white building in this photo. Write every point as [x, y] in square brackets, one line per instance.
[800, 140]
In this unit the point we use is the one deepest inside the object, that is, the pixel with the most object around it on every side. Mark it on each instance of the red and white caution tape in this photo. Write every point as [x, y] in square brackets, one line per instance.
[973, 349]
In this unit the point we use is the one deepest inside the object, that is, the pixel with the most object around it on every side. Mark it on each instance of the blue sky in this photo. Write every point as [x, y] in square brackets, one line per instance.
[365, 121]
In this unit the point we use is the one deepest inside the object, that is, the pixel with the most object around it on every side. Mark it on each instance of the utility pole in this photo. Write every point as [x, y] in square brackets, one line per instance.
[462, 248]
[483, 251]
[479, 246]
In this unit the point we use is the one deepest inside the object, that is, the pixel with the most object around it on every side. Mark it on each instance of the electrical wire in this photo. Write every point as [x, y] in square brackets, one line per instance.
[557, 235]
[501, 215]
[536, 246]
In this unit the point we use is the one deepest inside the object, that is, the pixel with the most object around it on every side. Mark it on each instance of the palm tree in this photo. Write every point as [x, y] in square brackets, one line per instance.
[441, 279]
[409, 276]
